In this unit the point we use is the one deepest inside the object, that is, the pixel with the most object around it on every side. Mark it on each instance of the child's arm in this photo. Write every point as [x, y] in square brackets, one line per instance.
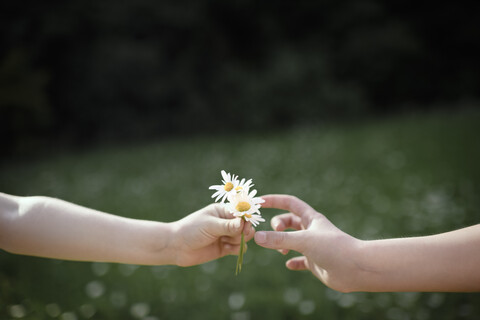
[47, 227]
[443, 262]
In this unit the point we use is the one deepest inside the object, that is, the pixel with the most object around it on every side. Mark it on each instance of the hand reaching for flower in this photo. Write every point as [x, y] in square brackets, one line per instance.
[326, 249]
[208, 234]
[442, 262]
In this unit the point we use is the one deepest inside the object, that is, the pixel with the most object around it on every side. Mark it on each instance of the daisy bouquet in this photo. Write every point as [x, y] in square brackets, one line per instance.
[241, 202]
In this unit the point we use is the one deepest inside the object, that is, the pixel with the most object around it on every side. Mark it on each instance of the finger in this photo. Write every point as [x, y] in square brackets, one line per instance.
[226, 227]
[220, 211]
[280, 240]
[249, 236]
[232, 249]
[229, 249]
[248, 231]
[286, 221]
[230, 240]
[284, 202]
[292, 204]
[298, 263]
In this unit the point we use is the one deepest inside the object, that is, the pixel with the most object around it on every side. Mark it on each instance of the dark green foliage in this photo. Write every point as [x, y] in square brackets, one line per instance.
[79, 71]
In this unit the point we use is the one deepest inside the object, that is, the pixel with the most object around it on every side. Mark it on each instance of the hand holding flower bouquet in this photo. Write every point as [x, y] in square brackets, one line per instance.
[242, 203]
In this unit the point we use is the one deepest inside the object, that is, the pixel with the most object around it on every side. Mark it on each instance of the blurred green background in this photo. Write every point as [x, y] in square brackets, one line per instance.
[407, 176]
[366, 110]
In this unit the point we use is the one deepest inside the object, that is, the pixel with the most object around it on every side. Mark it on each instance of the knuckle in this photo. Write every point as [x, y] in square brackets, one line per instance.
[229, 228]
[213, 206]
[293, 198]
[294, 203]
[279, 239]
[232, 226]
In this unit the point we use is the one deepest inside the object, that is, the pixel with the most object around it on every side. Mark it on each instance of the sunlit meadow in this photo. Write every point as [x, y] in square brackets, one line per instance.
[393, 177]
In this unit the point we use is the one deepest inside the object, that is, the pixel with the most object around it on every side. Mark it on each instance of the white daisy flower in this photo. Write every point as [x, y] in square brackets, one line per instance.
[230, 182]
[244, 204]
[254, 219]
[244, 184]
[241, 203]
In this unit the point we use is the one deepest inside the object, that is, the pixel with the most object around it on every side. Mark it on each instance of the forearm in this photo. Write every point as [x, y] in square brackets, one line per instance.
[443, 262]
[54, 228]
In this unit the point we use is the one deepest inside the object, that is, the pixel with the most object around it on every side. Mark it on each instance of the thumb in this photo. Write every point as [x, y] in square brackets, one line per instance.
[228, 227]
[280, 240]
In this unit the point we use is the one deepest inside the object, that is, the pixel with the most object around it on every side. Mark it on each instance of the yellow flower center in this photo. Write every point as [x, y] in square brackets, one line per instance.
[238, 188]
[228, 186]
[243, 206]
[248, 215]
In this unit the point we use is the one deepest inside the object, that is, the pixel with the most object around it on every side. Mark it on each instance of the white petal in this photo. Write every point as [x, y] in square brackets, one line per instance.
[253, 193]
[224, 197]
[219, 196]
[259, 218]
[224, 175]
[234, 197]
[220, 192]
[243, 191]
[258, 200]
[255, 220]
[248, 183]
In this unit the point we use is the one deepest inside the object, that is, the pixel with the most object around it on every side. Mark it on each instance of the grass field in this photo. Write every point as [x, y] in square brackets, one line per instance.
[394, 177]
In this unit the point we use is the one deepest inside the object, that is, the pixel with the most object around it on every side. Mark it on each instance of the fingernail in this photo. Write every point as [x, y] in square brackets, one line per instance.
[260, 237]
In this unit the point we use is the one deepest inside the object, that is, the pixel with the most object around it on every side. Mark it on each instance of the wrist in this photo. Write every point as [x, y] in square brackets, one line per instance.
[175, 242]
[347, 272]
[360, 267]
[371, 274]
[163, 247]
[178, 244]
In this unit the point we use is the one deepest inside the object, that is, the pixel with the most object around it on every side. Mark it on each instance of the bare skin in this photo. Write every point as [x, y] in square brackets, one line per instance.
[447, 262]
[52, 228]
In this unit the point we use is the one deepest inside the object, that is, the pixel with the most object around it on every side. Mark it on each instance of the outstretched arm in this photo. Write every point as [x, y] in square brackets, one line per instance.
[442, 262]
[48, 227]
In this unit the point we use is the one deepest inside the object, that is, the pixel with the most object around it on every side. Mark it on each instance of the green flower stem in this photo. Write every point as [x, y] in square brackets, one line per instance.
[240, 256]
